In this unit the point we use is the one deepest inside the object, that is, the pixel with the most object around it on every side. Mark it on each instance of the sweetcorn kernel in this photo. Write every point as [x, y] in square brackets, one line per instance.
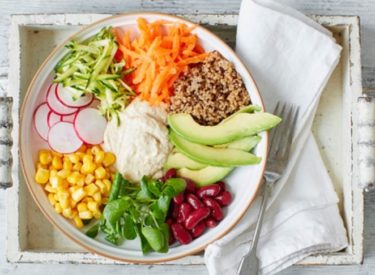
[109, 159]
[107, 184]
[100, 173]
[81, 182]
[79, 194]
[51, 198]
[101, 185]
[72, 189]
[78, 222]
[67, 213]
[45, 157]
[93, 206]
[73, 158]
[77, 166]
[85, 215]
[67, 164]
[97, 197]
[56, 181]
[91, 189]
[49, 188]
[96, 149]
[42, 176]
[65, 203]
[99, 157]
[52, 173]
[73, 178]
[57, 163]
[64, 185]
[89, 178]
[88, 168]
[80, 154]
[58, 208]
[72, 203]
[87, 158]
[63, 173]
[82, 207]
[62, 195]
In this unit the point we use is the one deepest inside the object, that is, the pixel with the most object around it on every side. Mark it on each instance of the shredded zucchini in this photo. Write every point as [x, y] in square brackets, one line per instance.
[89, 67]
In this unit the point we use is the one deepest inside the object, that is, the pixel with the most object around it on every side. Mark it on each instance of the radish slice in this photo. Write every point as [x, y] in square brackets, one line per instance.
[90, 126]
[69, 118]
[64, 95]
[53, 118]
[41, 120]
[62, 138]
[55, 104]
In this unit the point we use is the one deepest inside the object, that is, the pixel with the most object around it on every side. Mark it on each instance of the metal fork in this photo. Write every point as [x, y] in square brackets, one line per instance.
[281, 140]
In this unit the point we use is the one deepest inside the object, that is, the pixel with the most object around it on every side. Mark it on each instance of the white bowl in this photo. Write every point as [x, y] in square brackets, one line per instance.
[243, 182]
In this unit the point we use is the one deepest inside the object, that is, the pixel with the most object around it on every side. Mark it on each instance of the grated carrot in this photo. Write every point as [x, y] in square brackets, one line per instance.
[160, 54]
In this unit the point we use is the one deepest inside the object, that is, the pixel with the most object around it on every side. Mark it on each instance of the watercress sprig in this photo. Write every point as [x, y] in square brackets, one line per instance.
[138, 210]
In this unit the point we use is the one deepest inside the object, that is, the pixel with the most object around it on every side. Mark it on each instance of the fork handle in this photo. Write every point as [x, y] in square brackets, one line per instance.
[258, 226]
[250, 264]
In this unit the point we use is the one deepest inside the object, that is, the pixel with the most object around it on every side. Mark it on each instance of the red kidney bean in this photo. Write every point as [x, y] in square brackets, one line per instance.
[181, 234]
[171, 173]
[184, 212]
[194, 201]
[224, 198]
[216, 212]
[208, 191]
[196, 216]
[171, 237]
[199, 229]
[221, 184]
[179, 198]
[211, 223]
[175, 210]
[190, 186]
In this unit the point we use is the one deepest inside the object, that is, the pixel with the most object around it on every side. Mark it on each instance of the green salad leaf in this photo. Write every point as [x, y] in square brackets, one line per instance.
[138, 210]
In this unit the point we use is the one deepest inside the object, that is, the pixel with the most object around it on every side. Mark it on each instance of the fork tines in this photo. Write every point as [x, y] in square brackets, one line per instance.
[282, 135]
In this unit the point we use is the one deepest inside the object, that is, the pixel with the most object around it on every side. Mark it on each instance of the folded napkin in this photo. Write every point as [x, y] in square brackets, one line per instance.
[291, 59]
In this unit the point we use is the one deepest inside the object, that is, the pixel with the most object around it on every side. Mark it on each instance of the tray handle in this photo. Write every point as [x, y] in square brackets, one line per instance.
[366, 141]
[6, 142]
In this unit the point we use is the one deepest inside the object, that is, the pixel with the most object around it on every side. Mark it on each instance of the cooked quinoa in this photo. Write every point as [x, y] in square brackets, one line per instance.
[210, 91]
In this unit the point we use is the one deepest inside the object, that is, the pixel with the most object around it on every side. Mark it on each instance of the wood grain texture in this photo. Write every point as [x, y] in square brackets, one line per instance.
[366, 9]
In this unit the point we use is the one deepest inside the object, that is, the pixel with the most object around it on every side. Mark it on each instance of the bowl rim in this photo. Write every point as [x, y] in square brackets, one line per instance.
[29, 181]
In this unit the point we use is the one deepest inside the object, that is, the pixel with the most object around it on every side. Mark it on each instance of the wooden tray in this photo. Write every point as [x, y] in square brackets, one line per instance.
[31, 238]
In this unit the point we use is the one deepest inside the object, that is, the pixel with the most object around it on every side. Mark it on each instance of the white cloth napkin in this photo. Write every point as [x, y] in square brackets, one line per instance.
[291, 59]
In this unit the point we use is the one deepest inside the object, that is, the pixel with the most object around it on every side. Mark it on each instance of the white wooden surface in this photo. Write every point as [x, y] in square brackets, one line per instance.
[364, 8]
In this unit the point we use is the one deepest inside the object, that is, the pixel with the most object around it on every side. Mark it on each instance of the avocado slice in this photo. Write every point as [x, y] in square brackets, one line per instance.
[205, 176]
[245, 144]
[222, 157]
[239, 126]
[178, 160]
[245, 109]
